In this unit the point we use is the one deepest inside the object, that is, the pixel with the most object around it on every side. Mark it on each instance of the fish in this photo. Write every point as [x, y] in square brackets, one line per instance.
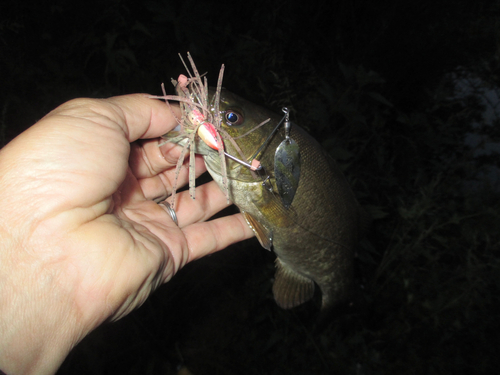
[315, 232]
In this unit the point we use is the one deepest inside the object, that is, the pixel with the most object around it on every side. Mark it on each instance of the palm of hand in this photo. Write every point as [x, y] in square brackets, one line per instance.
[81, 205]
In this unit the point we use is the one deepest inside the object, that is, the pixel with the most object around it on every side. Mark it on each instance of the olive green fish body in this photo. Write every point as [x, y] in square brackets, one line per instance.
[314, 239]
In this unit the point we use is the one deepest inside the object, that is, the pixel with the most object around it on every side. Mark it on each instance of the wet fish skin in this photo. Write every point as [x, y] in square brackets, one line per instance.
[315, 238]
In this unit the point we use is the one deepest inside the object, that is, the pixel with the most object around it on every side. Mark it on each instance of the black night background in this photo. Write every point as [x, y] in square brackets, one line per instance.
[377, 83]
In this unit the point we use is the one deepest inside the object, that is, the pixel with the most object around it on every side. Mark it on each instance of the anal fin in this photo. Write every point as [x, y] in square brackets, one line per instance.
[291, 289]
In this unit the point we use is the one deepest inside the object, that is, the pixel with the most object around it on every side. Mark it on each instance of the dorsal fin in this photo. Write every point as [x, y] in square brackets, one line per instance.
[291, 289]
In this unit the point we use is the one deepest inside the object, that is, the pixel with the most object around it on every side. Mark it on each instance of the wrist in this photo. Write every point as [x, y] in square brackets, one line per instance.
[39, 324]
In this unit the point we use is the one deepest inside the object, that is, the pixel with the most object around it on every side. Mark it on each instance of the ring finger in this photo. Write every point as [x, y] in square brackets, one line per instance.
[209, 201]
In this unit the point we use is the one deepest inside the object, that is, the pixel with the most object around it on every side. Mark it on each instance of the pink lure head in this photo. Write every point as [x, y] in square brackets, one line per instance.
[196, 117]
[208, 134]
[182, 80]
[255, 165]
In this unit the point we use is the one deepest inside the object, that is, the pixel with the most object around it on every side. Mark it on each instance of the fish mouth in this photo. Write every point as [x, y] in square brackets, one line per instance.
[235, 170]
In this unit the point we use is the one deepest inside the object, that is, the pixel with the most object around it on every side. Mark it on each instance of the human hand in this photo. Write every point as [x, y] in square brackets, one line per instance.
[82, 239]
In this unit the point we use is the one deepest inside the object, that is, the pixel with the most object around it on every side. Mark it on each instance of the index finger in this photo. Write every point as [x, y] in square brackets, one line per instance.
[144, 117]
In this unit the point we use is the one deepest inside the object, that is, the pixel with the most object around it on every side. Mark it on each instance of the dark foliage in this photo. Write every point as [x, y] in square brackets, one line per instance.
[376, 81]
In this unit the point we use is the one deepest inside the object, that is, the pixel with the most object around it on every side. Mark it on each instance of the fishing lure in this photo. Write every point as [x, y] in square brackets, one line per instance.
[287, 165]
[198, 120]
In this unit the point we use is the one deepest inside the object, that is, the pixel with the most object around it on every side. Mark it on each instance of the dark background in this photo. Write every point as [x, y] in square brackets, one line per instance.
[375, 82]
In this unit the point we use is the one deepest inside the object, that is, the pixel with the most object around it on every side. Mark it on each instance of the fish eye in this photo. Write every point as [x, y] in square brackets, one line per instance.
[234, 118]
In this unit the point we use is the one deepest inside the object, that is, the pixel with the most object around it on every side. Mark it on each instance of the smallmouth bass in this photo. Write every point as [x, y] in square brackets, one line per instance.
[315, 233]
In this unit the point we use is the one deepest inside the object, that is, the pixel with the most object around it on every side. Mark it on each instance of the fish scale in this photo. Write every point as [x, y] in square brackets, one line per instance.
[315, 238]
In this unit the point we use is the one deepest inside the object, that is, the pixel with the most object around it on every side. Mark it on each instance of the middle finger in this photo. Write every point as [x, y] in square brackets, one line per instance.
[155, 167]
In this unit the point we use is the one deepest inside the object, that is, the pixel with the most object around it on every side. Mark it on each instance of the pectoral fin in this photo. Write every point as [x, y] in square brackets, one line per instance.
[264, 235]
[291, 289]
